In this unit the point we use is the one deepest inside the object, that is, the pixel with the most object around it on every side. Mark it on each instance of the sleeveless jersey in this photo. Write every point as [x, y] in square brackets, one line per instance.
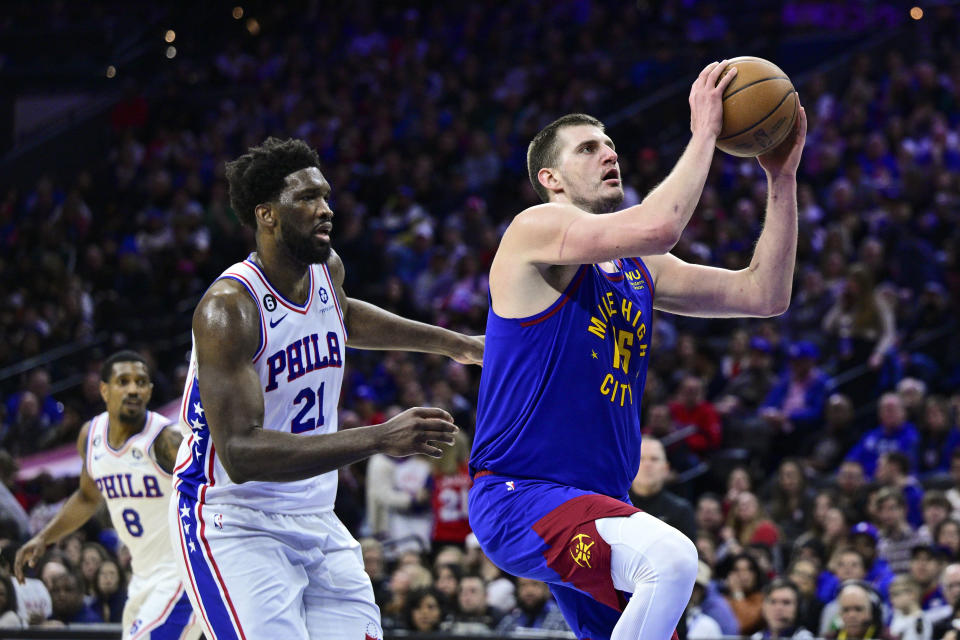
[449, 501]
[300, 364]
[560, 391]
[136, 490]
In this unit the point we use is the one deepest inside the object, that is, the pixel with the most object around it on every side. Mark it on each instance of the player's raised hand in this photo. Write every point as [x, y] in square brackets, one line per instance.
[29, 553]
[706, 99]
[418, 430]
[785, 157]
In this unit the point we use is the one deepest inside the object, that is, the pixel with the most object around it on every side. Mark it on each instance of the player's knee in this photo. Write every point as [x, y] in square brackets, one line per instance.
[668, 555]
[681, 558]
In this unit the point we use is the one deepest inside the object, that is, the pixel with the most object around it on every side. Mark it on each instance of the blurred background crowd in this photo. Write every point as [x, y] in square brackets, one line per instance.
[800, 452]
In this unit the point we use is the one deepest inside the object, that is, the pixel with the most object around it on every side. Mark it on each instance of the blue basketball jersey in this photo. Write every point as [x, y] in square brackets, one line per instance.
[560, 391]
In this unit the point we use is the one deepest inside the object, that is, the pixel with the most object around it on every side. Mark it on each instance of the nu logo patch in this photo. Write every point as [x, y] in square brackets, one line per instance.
[580, 550]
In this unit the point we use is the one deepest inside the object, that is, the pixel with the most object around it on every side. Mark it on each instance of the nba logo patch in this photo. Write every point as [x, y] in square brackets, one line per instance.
[135, 626]
[509, 484]
[218, 520]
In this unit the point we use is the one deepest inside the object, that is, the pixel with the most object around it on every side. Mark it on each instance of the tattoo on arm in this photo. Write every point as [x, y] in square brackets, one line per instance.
[165, 448]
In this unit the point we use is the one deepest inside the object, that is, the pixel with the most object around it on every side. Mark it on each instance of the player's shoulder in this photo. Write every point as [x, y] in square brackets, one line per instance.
[337, 270]
[228, 316]
[83, 437]
[543, 217]
[227, 300]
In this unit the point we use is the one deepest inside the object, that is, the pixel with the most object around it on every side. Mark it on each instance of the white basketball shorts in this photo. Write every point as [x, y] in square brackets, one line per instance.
[252, 574]
[158, 608]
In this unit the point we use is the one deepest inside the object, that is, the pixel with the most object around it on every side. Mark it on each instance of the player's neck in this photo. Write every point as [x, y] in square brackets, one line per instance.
[120, 430]
[288, 276]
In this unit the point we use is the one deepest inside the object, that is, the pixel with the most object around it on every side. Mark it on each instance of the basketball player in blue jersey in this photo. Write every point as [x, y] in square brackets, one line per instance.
[255, 481]
[128, 455]
[573, 287]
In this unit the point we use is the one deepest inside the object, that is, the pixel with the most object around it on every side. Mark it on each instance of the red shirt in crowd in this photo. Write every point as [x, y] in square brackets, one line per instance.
[704, 417]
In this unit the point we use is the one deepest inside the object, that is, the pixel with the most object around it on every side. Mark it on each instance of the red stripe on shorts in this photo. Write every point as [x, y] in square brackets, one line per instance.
[576, 551]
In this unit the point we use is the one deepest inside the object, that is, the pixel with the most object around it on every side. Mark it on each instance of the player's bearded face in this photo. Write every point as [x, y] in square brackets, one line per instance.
[128, 391]
[302, 243]
[590, 171]
[587, 190]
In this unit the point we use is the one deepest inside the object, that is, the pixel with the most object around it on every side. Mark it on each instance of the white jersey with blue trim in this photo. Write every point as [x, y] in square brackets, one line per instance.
[300, 364]
[136, 490]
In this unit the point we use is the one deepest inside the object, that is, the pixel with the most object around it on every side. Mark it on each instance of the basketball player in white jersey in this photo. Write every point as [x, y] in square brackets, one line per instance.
[128, 455]
[261, 550]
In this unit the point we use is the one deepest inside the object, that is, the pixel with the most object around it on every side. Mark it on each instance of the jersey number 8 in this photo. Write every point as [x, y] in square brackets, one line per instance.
[132, 519]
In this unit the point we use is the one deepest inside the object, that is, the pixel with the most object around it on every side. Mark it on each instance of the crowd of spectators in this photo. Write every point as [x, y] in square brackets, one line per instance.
[833, 429]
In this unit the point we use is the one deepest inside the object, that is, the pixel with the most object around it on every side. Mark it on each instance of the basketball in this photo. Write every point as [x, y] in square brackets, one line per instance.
[759, 108]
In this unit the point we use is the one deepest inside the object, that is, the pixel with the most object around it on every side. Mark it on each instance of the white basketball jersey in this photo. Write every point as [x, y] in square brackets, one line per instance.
[300, 364]
[136, 489]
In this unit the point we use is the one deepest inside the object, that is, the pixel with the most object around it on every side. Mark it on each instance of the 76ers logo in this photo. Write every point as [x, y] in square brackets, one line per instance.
[580, 550]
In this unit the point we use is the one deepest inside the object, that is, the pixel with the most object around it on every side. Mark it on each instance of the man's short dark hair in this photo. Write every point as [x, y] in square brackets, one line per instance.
[891, 493]
[106, 369]
[258, 176]
[781, 583]
[544, 150]
[473, 575]
[899, 460]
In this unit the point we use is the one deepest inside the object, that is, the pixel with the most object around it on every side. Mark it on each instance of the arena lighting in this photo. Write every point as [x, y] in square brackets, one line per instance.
[253, 26]
[170, 35]
[237, 12]
[916, 13]
[171, 51]
[111, 71]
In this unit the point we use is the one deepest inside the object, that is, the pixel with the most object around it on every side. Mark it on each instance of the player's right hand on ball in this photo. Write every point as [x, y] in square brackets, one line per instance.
[706, 99]
[29, 553]
[418, 430]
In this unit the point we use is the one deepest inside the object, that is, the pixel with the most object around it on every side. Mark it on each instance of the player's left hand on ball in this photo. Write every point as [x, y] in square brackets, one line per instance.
[784, 159]
[471, 351]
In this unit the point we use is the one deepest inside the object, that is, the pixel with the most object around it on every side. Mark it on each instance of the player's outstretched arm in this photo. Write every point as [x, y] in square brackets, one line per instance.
[763, 288]
[79, 508]
[226, 337]
[370, 327]
[557, 234]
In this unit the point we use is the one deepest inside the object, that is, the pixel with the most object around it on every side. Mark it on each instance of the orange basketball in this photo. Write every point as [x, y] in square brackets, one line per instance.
[759, 108]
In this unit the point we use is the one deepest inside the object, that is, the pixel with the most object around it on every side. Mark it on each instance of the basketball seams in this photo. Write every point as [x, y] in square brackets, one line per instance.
[750, 84]
[761, 120]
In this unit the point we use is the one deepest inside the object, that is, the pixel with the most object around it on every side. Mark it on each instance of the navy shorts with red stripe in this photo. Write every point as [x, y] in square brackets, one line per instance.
[545, 531]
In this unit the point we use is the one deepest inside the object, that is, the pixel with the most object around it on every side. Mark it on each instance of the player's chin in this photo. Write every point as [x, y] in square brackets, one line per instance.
[132, 412]
[610, 199]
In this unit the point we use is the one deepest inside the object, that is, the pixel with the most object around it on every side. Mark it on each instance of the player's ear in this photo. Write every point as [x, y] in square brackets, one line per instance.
[550, 179]
[104, 387]
[266, 215]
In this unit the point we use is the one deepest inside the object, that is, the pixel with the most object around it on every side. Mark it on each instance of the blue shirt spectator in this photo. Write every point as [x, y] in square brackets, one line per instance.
[893, 434]
[535, 609]
[939, 437]
[801, 393]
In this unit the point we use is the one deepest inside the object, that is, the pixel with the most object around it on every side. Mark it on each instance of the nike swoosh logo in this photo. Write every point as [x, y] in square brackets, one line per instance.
[279, 320]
